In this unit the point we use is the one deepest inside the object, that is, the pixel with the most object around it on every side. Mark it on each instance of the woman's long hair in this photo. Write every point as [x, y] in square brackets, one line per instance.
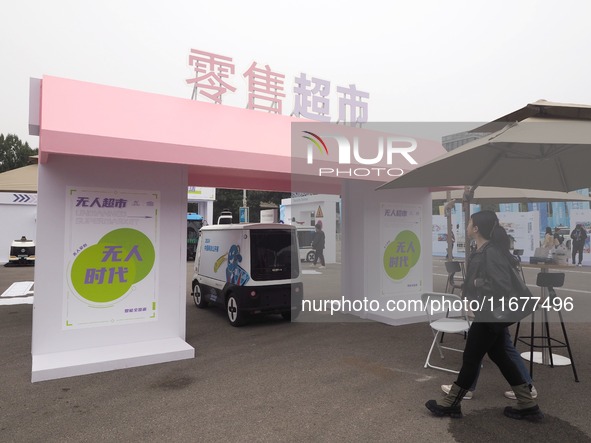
[489, 227]
[548, 230]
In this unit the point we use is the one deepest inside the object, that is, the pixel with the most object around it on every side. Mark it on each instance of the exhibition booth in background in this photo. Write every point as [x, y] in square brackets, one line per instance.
[524, 230]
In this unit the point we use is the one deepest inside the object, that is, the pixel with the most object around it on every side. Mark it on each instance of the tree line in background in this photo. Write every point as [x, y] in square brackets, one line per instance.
[232, 199]
[14, 153]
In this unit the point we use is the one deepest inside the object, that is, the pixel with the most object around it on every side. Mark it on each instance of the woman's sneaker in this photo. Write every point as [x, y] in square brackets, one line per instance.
[447, 388]
[511, 394]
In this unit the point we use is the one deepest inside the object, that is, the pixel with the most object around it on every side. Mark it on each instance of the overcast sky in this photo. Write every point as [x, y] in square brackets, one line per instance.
[427, 60]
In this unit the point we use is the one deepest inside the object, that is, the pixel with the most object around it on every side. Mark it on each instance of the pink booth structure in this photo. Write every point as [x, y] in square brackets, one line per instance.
[114, 166]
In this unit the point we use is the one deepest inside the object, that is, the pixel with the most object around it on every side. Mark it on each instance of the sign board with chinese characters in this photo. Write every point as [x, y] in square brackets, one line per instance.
[214, 77]
[110, 257]
[400, 238]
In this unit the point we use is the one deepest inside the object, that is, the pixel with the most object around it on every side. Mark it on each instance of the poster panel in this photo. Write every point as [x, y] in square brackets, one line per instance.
[400, 237]
[200, 193]
[110, 258]
[439, 235]
[523, 229]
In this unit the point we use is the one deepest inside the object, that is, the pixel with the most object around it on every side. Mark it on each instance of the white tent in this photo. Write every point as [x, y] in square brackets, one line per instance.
[19, 180]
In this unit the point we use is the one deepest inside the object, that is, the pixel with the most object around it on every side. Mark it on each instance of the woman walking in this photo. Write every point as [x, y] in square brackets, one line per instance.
[488, 275]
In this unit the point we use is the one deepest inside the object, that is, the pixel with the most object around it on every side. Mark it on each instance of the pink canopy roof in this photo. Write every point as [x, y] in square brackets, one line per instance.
[223, 146]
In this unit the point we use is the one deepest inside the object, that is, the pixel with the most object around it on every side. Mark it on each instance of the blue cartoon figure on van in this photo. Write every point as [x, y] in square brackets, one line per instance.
[234, 272]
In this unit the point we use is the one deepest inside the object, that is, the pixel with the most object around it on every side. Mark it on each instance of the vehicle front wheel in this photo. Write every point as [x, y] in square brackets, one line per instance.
[236, 317]
[200, 302]
[310, 256]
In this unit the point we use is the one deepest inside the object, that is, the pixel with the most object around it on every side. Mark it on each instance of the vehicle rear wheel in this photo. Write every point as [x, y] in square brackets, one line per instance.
[235, 316]
[200, 302]
[310, 256]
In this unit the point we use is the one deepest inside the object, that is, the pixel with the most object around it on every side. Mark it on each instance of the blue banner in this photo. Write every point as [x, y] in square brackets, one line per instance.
[579, 205]
[559, 216]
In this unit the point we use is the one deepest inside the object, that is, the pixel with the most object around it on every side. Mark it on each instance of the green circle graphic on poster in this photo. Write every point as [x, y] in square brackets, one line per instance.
[401, 255]
[105, 271]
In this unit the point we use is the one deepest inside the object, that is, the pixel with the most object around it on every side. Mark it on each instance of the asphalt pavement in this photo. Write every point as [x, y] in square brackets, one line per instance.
[273, 381]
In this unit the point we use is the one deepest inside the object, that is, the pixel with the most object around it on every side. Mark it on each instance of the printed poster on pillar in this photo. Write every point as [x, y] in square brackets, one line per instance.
[400, 239]
[110, 257]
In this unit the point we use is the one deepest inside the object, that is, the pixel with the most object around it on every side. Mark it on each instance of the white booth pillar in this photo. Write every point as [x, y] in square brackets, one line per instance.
[386, 250]
[124, 230]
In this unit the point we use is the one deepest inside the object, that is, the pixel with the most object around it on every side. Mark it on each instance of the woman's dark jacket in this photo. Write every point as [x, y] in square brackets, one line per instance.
[488, 275]
[318, 242]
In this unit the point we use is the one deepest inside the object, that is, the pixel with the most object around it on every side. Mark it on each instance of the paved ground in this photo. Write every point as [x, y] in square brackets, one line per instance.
[275, 381]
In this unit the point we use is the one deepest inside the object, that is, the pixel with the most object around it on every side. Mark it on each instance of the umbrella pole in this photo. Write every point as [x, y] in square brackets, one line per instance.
[447, 212]
[466, 199]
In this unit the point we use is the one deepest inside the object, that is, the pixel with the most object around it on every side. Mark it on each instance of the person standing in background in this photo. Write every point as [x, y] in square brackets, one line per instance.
[318, 245]
[579, 235]
[548, 239]
[558, 238]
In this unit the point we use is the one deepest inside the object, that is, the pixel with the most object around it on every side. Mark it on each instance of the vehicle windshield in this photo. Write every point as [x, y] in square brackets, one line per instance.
[273, 254]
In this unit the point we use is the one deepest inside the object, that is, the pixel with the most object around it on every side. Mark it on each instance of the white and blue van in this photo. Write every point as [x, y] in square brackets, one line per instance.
[248, 269]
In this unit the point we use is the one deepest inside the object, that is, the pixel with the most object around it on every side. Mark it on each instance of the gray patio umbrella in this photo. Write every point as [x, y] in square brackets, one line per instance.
[550, 149]
[542, 154]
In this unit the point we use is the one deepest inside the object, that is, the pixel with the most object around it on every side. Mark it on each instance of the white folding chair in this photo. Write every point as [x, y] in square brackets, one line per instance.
[446, 314]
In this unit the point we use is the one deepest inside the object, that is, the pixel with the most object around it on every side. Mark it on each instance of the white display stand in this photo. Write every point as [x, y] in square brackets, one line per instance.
[524, 228]
[59, 351]
[366, 233]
